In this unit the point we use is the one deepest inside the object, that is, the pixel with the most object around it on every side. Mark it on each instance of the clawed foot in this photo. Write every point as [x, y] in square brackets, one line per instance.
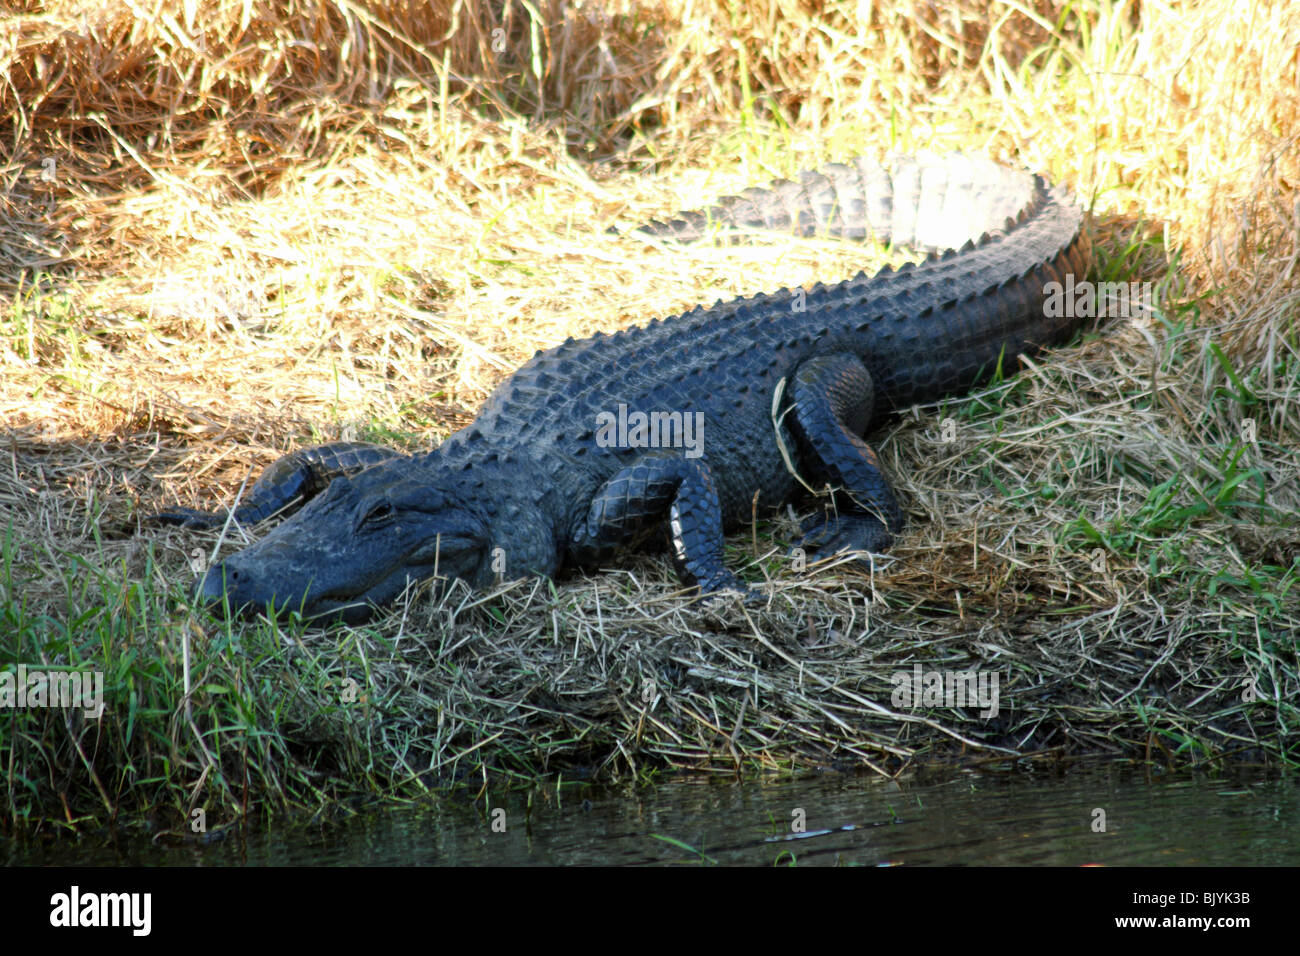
[828, 534]
[186, 518]
[725, 587]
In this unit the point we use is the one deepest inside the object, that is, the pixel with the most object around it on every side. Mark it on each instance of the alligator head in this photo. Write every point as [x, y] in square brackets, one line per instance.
[360, 543]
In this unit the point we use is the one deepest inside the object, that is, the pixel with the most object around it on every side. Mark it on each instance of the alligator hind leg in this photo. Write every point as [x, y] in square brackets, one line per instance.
[287, 484]
[657, 485]
[833, 400]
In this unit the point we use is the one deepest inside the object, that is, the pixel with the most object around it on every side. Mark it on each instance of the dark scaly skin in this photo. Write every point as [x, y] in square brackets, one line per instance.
[528, 489]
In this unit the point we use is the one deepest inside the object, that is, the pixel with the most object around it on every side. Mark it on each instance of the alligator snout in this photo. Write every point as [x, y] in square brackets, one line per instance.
[224, 582]
[249, 588]
[210, 587]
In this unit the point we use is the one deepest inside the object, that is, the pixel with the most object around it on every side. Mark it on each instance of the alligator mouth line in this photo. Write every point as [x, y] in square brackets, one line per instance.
[328, 611]
[353, 608]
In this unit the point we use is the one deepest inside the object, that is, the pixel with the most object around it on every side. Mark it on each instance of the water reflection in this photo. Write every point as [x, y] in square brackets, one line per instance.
[1113, 818]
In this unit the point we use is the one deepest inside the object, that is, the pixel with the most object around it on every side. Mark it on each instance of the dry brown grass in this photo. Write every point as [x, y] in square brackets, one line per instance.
[267, 224]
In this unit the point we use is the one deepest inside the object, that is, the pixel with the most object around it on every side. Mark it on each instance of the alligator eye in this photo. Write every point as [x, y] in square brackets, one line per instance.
[379, 512]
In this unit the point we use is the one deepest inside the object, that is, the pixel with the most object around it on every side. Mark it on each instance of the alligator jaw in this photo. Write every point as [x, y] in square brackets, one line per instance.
[209, 591]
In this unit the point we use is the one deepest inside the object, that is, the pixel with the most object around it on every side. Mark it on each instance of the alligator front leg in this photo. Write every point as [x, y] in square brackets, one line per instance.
[833, 397]
[287, 483]
[660, 484]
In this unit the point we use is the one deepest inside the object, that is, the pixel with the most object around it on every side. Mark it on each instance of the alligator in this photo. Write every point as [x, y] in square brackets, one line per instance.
[688, 425]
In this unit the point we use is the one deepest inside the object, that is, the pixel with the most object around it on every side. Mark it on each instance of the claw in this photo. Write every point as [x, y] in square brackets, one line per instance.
[832, 534]
[185, 518]
[718, 600]
[725, 585]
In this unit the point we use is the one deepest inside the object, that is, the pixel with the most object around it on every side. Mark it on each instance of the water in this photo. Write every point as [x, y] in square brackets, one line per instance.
[965, 818]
